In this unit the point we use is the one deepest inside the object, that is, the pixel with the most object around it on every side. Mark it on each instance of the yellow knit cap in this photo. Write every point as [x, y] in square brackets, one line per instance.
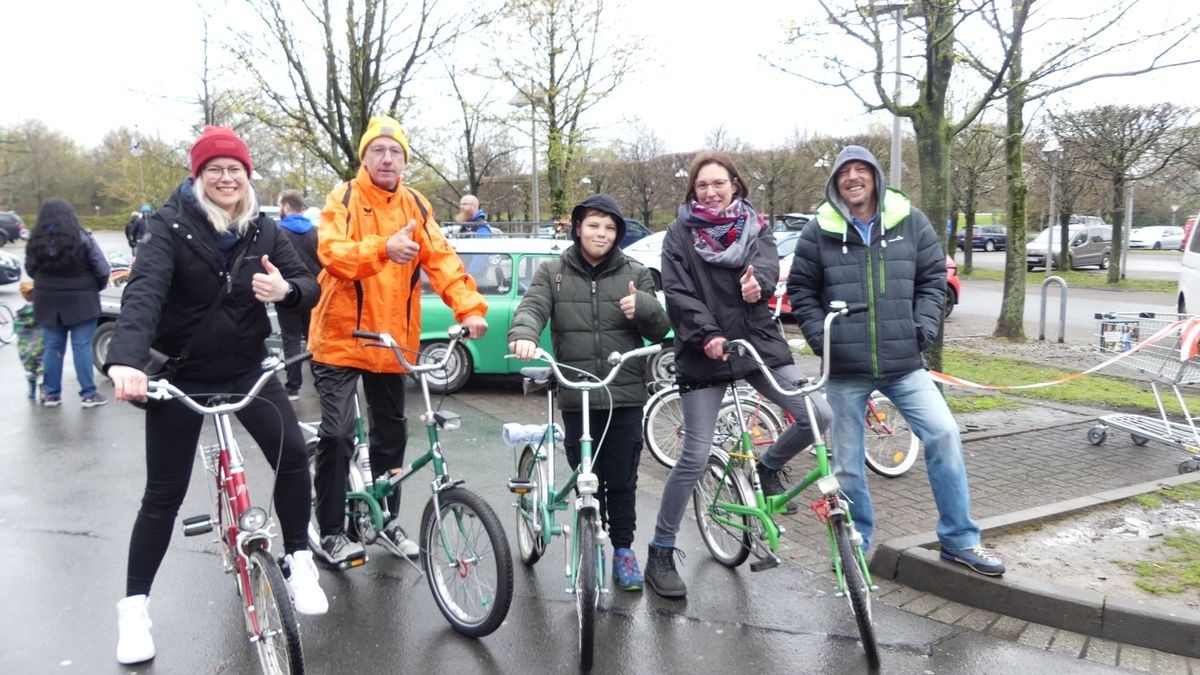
[383, 126]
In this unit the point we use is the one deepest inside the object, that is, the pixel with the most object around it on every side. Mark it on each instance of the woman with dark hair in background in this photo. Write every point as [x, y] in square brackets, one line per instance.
[69, 270]
[719, 267]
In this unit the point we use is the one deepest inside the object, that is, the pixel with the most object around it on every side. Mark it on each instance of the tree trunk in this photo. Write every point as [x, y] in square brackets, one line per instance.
[1118, 230]
[1011, 322]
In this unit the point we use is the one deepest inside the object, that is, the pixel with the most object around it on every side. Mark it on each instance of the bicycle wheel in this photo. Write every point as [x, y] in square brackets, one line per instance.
[892, 448]
[729, 541]
[587, 585]
[762, 422]
[857, 589]
[530, 543]
[466, 559]
[8, 324]
[271, 617]
[662, 426]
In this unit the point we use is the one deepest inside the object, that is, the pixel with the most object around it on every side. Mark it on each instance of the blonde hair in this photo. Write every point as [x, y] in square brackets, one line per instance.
[245, 211]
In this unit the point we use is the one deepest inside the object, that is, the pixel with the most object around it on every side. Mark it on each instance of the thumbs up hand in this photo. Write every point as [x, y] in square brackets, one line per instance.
[629, 302]
[401, 249]
[269, 285]
[751, 290]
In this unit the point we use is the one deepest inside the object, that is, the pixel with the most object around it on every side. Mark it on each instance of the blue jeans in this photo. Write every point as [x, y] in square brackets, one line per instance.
[927, 413]
[55, 340]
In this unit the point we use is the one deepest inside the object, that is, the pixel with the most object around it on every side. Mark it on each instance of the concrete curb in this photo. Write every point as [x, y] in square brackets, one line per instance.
[914, 561]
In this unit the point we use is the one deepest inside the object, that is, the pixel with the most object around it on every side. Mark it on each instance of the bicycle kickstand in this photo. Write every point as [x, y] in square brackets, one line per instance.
[766, 558]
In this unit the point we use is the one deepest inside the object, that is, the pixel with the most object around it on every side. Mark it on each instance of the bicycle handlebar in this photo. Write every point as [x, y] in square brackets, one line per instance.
[744, 348]
[616, 360]
[455, 333]
[163, 390]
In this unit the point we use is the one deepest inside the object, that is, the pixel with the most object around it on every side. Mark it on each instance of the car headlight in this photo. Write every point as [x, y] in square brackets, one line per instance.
[253, 519]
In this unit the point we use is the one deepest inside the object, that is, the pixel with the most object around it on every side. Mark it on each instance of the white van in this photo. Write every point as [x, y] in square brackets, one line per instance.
[1189, 274]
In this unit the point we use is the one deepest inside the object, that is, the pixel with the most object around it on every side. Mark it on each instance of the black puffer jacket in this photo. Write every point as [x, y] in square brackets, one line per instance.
[705, 301]
[901, 275]
[178, 273]
[587, 323]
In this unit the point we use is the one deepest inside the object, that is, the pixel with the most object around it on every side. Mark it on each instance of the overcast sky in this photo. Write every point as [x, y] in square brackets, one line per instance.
[86, 68]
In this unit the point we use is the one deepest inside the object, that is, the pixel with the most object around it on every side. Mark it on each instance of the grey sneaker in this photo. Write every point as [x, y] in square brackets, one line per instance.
[51, 401]
[337, 548]
[977, 558]
[661, 575]
[94, 401]
[400, 540]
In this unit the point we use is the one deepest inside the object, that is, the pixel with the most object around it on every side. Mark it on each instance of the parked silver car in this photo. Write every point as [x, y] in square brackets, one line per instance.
[1089, 245]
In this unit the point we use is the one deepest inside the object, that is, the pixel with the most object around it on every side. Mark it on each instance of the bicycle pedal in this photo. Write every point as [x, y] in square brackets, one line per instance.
[764, 564]
[356, 560]
[520, 486]
[196, 525]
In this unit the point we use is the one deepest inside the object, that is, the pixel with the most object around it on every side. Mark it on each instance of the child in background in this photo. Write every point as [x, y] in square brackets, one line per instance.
[29, 340]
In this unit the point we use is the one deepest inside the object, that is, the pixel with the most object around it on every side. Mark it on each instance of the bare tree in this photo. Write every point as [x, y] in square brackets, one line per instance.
[774, 170]
[572, 62]
[975, 157]
[641, 172]
[1126, 144]
[366, 58]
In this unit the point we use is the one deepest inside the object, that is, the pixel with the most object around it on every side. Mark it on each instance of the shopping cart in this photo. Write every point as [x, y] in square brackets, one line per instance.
[1150, 344]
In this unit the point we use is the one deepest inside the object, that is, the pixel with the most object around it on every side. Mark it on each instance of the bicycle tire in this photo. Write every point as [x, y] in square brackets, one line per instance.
[277, 639]
[662, 426]
[857, 590]
[467, 562]
[891, 446]
[587, 585]
[531, 545]
[8, 324]
[729, 545]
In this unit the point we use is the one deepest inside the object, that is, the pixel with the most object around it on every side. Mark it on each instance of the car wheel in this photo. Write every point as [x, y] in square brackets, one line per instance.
[662, 364]
[456, 372]
[1157, 246]
[989, 246]
[1104, 262]
[100, 340]
[948, 305]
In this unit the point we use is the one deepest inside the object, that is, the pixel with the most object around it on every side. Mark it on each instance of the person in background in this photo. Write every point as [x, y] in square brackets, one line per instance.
[870, 245]
[136, 227]
[473, 219]
[717, 258]
[377, 236]
[598, 301]
[209, 263]
[294, 321]
[69, 270]
[30, 346]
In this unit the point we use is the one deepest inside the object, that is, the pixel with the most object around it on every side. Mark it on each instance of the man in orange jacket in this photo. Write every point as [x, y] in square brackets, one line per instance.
[376, 235]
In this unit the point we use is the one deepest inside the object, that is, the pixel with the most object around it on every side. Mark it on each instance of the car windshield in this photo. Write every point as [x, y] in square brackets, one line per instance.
[787, 246]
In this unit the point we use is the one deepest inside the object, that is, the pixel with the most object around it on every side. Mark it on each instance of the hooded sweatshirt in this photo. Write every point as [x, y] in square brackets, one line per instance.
[898, 271]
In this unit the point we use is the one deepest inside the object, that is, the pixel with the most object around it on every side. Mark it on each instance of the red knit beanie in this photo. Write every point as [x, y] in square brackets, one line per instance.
[219, 142]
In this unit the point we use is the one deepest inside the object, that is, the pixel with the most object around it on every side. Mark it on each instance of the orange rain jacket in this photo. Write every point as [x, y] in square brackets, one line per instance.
[362, 289]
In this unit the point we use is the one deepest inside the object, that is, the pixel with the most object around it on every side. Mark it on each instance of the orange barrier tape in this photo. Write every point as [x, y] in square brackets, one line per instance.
[1189, 346]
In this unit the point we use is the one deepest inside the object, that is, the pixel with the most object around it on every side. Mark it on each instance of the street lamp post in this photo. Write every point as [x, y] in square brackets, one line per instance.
[897, 8]
[519, 100]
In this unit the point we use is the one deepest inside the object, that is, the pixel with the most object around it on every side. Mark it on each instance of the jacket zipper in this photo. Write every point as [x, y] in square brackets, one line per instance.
[596, 333]
[871, 312]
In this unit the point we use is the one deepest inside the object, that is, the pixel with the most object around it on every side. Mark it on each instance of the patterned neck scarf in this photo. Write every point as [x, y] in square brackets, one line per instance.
[723, 238]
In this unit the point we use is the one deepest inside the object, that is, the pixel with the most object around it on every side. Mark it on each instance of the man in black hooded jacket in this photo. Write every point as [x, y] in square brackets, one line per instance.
[868, 244]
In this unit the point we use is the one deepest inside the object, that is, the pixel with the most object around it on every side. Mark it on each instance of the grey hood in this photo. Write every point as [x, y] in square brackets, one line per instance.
[853, 153]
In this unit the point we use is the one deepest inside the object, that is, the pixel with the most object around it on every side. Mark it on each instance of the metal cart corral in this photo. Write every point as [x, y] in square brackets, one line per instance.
[1150, 342]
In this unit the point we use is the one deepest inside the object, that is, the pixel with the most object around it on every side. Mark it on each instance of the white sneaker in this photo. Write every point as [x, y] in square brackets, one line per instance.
[307, 596]
[134, 642]
[408, 548]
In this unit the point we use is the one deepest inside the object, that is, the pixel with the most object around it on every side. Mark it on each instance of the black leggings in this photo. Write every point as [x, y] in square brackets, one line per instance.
[615, 464]
[172, 432]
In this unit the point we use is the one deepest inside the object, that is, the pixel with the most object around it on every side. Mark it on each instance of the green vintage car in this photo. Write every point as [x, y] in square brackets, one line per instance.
[503, 269]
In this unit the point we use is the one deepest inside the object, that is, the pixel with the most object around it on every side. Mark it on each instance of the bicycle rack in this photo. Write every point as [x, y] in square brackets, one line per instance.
[1062, 307]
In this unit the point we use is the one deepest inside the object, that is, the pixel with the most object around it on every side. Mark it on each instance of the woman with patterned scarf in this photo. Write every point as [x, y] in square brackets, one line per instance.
[719, 267]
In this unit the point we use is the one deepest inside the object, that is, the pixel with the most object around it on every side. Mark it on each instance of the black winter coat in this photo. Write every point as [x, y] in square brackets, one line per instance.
[705, 301]
[68, 293]
[587, 324]
[901, 276]
[178, 273]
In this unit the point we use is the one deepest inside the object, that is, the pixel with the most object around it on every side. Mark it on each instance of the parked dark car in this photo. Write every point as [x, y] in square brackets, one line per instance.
[634, 230]
[791, 221]
[12, 227]
[10, 268]
[986, 237]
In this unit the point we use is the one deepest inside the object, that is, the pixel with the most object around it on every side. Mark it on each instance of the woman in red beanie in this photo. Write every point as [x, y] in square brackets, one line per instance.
[209, 241]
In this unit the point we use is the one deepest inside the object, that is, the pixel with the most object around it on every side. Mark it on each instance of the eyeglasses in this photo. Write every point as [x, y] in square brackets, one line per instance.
[235, 171]
[716, 185]
[384, 150]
